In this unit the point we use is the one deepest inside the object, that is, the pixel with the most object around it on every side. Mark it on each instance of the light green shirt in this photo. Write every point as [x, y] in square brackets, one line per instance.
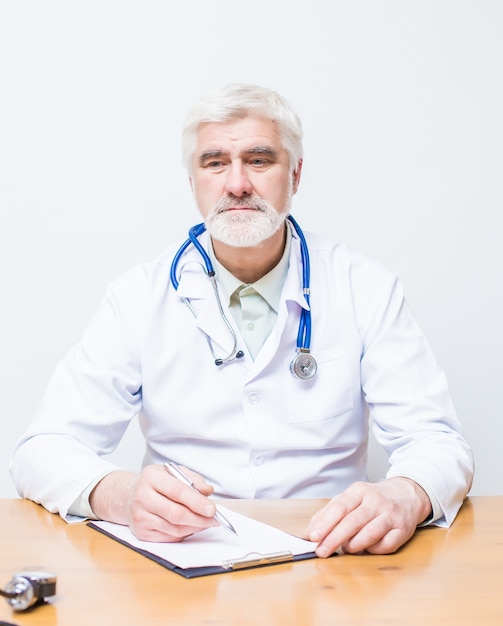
[255, 306]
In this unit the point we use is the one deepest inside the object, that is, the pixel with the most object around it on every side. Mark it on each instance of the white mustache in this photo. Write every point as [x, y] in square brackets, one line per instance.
[224, 204]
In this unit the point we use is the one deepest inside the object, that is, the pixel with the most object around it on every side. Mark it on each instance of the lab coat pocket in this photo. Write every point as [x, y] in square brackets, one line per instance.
[325, 396]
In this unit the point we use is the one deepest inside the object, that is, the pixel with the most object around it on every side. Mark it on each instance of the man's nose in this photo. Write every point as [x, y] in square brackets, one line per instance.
[238, 182]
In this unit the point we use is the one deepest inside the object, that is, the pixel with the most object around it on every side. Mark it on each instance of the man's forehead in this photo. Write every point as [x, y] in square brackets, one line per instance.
[247, 133]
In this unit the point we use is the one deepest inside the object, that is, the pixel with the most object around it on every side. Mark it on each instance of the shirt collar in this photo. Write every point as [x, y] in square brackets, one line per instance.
[269, 286]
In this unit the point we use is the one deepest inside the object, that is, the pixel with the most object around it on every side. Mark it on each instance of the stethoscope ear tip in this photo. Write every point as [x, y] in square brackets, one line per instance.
[239, 355]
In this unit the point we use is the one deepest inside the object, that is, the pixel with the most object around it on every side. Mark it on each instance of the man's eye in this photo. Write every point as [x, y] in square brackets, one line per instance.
[214, 164]
[258, 162]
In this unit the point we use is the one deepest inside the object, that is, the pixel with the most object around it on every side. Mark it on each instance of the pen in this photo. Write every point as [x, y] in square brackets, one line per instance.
[175, 471]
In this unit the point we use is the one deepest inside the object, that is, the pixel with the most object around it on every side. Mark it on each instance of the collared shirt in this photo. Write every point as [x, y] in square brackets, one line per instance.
[254, 306]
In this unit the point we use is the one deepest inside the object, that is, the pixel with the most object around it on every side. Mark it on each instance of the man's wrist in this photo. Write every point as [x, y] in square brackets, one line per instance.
[422, 503]
[108, 499]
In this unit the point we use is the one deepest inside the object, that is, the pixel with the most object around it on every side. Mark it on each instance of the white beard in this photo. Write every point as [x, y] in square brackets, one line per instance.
[243, 229]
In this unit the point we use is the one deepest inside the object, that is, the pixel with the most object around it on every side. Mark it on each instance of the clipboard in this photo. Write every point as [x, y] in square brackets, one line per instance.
[234, 554]
[249, 561]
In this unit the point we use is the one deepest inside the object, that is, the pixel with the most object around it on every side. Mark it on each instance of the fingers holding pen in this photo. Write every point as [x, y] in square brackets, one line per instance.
[165, 509]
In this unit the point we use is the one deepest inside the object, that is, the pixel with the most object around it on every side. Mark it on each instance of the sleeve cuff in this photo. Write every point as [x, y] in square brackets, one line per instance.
[80, 508]
[436, 511]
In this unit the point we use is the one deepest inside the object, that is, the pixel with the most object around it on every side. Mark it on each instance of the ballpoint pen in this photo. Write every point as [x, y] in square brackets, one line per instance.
[175, 471]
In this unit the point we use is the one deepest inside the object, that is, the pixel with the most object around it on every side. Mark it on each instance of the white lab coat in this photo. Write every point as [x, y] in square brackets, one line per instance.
[250, 427]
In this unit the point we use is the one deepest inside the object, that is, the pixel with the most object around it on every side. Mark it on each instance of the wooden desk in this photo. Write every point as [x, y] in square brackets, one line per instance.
[443, 577]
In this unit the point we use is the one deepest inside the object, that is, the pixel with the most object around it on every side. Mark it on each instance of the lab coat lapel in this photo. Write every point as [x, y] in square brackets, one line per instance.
[196, 286]
[291, 302]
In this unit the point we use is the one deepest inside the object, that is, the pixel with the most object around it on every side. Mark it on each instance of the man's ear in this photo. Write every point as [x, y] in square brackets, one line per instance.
[191, 185]
[296, 176]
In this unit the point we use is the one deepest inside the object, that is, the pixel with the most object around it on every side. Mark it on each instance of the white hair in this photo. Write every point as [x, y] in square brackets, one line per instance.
[240, 100]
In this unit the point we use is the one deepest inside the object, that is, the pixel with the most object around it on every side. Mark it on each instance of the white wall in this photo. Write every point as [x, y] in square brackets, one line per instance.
[402, 108]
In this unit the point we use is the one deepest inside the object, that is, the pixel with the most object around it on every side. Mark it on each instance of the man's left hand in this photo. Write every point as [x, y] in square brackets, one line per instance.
[373, 517]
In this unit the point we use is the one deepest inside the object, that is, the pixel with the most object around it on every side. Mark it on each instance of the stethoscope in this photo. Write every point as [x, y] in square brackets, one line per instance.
[303, 365]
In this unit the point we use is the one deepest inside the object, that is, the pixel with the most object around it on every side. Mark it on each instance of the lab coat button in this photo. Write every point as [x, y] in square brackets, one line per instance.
[254, 398]
[258, 459]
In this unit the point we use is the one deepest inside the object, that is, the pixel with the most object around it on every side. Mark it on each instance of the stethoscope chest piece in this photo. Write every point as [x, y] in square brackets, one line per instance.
[303, 366]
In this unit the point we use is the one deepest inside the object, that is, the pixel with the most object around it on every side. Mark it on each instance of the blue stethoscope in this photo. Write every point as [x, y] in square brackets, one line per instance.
[303, 366]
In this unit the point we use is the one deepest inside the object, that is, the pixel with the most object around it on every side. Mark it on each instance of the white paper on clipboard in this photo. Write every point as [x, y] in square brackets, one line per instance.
[217, 547]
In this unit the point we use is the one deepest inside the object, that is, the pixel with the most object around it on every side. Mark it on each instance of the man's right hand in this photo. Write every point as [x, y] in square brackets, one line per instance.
[155, 505]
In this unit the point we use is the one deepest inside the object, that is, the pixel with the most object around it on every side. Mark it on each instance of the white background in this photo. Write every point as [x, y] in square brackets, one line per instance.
[402, 108]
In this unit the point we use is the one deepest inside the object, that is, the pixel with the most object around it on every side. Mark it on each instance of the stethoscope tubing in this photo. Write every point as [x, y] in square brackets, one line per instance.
[304, 331]
[194, 233]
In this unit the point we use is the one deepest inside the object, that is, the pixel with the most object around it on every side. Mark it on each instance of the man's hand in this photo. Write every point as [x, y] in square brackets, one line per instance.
[376, 517]
[155, 505]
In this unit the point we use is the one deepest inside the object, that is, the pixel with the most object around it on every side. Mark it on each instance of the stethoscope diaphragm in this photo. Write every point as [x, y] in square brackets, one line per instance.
[304, 366]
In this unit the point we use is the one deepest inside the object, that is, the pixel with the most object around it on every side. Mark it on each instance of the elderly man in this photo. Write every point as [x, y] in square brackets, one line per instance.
[253, 356]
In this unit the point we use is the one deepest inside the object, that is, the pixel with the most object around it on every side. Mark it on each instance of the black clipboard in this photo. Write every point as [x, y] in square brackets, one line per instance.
[248, 561]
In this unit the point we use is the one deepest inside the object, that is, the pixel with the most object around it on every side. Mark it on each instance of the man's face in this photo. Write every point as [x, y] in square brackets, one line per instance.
[241, 179]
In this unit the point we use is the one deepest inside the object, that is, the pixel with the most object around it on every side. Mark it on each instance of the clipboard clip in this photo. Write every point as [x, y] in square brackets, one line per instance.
[254, 559]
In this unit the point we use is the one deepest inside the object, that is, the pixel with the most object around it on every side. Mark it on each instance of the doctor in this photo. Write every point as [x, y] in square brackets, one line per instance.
[253, 356]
